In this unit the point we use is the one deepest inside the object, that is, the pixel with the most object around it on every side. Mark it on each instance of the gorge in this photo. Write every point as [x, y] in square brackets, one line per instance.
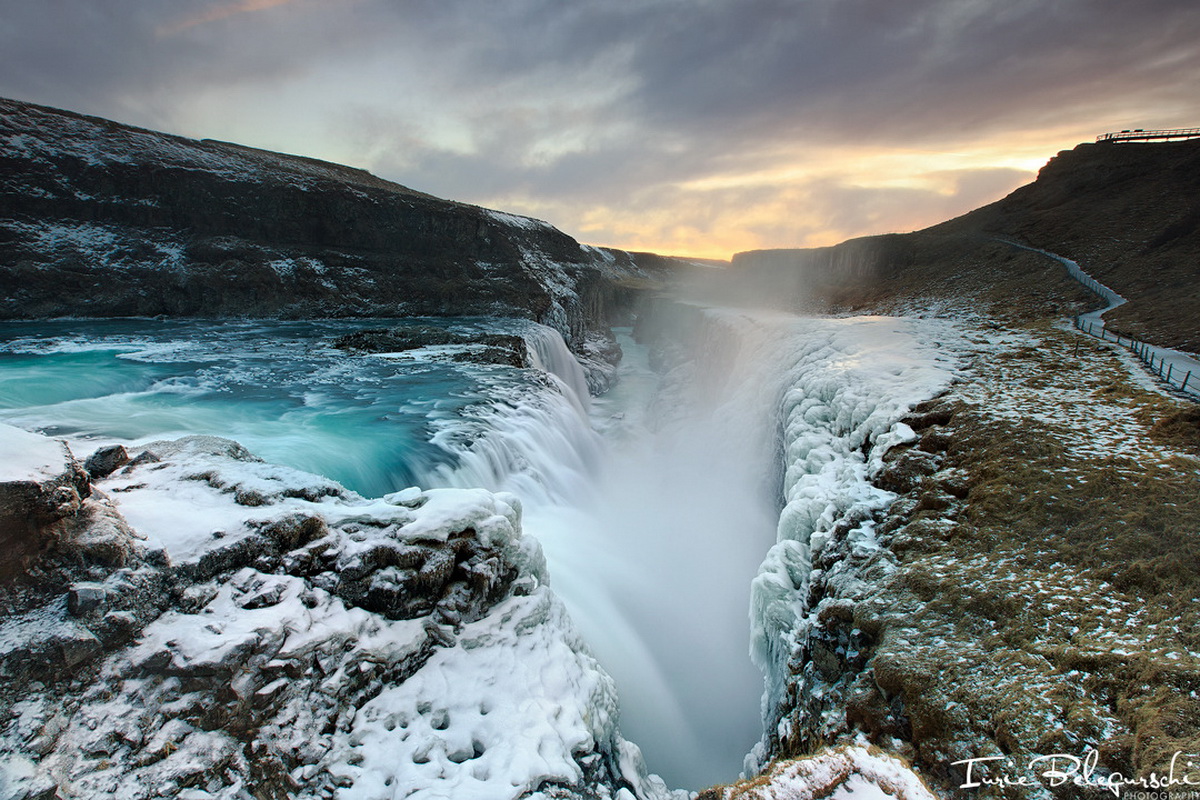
[507, 479]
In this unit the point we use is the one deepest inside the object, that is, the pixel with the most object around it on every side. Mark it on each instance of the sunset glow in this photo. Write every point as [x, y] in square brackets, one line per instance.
[687, 128]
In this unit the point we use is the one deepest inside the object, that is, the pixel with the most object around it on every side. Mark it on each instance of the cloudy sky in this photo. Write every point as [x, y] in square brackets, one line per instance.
[698, 127]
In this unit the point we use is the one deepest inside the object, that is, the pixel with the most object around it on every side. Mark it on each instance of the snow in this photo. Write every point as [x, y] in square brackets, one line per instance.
[518, 221]
[850, 772]
[502, 706]
[188, 502]
[505, 711]
[28, 456]
[97, 243]
[1111, 298]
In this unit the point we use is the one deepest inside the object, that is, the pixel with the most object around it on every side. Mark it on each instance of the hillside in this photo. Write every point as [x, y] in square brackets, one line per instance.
[1129, 213]
[1035, 595]
[103, 219]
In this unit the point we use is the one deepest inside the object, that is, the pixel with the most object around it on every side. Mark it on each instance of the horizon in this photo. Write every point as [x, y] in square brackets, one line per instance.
[695, 130]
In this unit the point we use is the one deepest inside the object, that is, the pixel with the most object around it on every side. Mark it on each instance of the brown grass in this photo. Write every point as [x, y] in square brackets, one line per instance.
[1046, 544]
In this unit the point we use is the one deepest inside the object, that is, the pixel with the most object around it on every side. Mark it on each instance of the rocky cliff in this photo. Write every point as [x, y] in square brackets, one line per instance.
[191, 621]
[102, 219]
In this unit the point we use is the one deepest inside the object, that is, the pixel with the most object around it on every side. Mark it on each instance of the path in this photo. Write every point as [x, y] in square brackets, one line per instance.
[1176, 368]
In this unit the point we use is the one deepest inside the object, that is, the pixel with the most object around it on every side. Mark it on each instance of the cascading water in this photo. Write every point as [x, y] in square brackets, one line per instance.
[682, 499]
[653, 528]
[652, 546]
[651, 541]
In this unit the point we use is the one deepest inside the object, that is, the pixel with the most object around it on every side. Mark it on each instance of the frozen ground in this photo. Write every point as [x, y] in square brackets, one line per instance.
[1029, 596]
[285, 630]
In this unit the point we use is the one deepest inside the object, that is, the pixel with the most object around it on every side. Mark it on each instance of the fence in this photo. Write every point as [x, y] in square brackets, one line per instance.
[1146, 136]
[1147, 354]
[1168, 365]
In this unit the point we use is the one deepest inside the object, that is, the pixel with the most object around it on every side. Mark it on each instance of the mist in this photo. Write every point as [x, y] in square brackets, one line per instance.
[657, 567]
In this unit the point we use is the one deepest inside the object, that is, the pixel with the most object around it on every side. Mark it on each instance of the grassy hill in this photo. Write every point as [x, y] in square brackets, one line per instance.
[1129, 213]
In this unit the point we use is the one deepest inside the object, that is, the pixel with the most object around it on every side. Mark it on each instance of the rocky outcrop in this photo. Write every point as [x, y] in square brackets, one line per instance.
[478, 348]
[76, 579]
[46, 505]
[100, 219]
[274, 635]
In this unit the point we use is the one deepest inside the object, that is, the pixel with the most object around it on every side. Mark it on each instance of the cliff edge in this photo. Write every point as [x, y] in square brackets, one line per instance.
[99, 219]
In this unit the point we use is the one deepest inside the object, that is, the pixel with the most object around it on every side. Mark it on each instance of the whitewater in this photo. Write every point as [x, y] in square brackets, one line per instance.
[678, 514]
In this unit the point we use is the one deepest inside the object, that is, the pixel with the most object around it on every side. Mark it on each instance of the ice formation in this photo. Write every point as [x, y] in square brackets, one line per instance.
[294, 587]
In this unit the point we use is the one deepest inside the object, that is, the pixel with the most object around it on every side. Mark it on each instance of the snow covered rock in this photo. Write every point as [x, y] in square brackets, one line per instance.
[849, 772]
[41, 486]
[275, 635]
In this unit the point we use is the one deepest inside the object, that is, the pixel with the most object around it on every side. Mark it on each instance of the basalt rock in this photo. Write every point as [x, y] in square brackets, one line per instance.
[476, 348]
[100, 219]
[42, 488]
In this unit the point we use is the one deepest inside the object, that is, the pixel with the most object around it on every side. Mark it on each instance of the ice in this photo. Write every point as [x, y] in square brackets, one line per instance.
[850, 772]
[850, 380]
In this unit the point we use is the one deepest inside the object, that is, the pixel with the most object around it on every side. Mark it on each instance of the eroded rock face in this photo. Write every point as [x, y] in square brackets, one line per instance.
[42, 489]
[275, 636]
[100, 219]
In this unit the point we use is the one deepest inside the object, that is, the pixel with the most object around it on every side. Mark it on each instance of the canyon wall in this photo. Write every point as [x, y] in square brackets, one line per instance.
[101, 219]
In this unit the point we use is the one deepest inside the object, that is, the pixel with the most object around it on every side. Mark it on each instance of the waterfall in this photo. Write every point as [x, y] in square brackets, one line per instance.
[658, 505]
[548, 352]
[652, 533]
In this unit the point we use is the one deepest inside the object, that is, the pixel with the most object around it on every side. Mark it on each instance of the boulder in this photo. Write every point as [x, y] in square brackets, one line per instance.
[42, 487]
[106, 461]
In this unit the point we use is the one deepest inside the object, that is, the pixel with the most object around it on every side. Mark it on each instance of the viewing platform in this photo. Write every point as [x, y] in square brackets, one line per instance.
[1140, 135]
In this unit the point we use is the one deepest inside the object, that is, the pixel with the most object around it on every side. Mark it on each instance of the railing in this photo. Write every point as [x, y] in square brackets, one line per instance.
[1140, 135]
[1172, 367]
[1147, 354]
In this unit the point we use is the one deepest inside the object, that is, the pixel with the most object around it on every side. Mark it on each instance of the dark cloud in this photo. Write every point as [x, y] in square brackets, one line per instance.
[596, 102]
[125, 58]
